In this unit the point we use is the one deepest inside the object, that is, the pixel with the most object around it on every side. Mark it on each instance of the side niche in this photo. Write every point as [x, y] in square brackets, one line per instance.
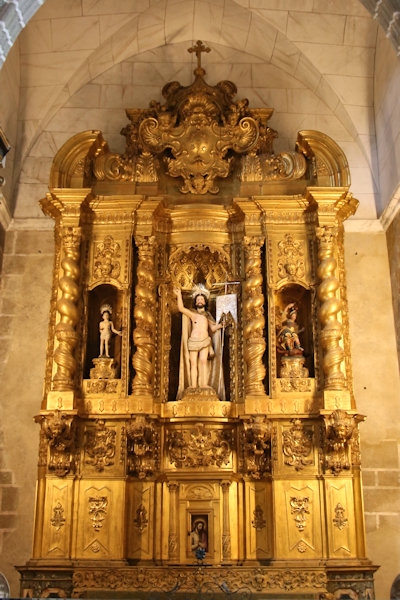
[294, 333]
[104, 333]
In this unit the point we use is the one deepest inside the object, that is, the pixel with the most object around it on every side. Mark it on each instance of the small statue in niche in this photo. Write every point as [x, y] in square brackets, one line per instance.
[106, 329]
[201, 354]
[288, 342]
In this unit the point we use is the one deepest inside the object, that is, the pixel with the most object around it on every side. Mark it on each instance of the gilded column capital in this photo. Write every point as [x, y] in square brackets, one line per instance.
[64, 205]
[334, 205]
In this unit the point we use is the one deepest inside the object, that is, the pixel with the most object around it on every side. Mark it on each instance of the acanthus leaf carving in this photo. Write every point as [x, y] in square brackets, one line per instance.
[199, 447]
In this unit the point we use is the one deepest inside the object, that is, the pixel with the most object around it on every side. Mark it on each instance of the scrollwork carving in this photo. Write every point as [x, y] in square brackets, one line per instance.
[97, 511]
[199, 447]
[256, 444]
[290, 258]
[143, 447]
[297, 445]
[107, 264]
[100, 445]
[299, 507]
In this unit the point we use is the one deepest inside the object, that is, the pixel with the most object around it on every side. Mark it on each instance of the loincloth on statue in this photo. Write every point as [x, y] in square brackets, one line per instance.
[197, 345]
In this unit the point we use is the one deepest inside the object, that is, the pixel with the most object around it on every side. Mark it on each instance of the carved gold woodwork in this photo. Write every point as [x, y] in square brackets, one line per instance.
[128, 460]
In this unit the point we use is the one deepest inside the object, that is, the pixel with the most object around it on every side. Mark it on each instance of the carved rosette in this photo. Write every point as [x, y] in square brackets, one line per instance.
[58, 429]
[253, 318]
[143, 447]
[65, 332]
[332, 330]
[144, 314]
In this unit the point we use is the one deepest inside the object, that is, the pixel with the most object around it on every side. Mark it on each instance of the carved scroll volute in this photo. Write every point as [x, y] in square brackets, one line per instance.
[67, 309]
[331, 330]
[253, 318]
[145, 321]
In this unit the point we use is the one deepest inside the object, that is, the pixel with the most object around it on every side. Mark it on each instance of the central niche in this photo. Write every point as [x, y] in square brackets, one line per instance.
[203, 275]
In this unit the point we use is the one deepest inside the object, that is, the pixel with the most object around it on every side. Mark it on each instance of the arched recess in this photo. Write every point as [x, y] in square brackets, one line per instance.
[69, 168]
[332, 168]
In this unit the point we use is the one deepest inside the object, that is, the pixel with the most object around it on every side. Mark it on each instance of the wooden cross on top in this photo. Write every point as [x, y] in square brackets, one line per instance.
[198, 48]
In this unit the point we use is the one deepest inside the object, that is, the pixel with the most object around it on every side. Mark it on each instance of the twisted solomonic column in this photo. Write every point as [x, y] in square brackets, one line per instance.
[144, 314]
[253, 318]
[331, 331]
[65, 332]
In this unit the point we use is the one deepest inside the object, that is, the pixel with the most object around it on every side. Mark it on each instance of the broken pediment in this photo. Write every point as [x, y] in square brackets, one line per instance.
[202, 137]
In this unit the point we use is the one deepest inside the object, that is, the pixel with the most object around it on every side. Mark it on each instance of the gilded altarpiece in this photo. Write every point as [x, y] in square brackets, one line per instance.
[199, 433]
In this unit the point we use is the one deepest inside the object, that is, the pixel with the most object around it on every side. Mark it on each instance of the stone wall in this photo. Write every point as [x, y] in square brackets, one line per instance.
[377, 393]
[393, 237]
[24, 311]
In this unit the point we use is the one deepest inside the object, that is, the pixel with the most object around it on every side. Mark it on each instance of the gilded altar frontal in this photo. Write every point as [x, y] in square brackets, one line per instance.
[199, 431]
